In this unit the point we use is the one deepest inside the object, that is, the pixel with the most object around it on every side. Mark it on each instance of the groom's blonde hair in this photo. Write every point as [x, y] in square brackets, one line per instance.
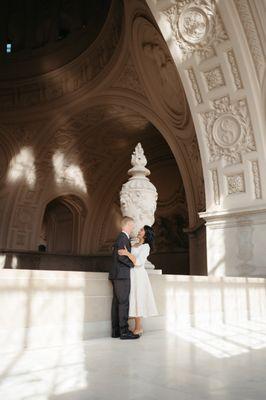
[125, 221]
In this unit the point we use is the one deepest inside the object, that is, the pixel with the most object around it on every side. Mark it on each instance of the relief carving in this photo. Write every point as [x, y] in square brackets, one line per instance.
[197, 26]
[138, 196]
[216, 189]
[160, 76]
[234, 69]
[256, 179]
[129, 78]
[252, 36]
[229, 131]
[236, 183]
[193, 153]
[195, 86]
[214, 78]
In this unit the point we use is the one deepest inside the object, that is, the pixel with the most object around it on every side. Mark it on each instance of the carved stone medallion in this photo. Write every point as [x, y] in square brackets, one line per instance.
[226, 130]
[193, 24]
[229, 132]
[196, 26]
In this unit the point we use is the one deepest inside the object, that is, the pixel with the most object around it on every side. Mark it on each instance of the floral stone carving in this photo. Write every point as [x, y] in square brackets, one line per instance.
[138, 197]
[229, 131]
[197, 26]
[236, 183]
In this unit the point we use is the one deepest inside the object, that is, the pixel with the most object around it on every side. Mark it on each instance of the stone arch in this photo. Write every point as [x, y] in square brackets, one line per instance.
[141, 107]
[118, 98]
[110, 92]
[114, 98]
[221, 66]
[218, 51]
[24, 216]
[63, 224]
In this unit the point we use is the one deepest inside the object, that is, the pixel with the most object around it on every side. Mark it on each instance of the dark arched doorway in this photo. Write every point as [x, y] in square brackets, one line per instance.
[62, 225]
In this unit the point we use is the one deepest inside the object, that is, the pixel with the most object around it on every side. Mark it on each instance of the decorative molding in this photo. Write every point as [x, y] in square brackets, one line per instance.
[159, 74]
[193, 154]
[214, 78]
[194, 85]
[129, 78]
[249, 27]
[236, 183]
[234, 69]
[216, 189]
[256, 179]
[229, 131]
[196, 26]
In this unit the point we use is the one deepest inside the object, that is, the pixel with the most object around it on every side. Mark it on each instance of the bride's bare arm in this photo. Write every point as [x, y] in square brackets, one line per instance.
[125, 252]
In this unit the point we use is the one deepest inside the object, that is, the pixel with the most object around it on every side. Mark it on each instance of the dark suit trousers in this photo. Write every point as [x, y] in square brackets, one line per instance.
[120, 304]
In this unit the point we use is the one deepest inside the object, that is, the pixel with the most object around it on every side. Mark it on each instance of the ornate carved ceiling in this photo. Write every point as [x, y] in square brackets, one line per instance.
[158, 72]
[80, 123]
[219, 50]
[41, 33]
[98, 141]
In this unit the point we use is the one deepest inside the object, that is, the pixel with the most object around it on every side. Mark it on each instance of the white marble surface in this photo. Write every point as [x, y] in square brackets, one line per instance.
[236, 243]
[218, 362]
[58, 307]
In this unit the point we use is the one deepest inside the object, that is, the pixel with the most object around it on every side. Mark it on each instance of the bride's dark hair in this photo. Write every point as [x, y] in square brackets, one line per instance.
[149, 236]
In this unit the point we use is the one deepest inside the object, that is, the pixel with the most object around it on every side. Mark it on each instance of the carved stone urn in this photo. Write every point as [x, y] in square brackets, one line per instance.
[138, 196]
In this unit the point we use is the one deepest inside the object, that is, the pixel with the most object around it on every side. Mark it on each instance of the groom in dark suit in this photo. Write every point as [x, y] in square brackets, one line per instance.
[120, 277]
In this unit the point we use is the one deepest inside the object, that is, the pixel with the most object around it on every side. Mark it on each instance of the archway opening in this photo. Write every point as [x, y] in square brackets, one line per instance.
[88, 152]
[172, 241]
[62, 225]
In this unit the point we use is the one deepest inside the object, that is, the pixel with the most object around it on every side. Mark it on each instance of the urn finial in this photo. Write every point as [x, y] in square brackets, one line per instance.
[138, 162]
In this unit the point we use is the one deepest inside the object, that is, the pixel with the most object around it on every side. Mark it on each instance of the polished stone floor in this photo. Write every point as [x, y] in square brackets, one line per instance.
[222, 362]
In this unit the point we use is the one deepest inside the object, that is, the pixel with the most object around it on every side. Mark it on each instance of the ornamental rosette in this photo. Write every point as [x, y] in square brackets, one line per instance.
[196, 26]
[228, 130]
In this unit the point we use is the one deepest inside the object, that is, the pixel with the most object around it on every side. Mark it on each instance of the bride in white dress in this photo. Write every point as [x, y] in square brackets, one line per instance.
[141, 300]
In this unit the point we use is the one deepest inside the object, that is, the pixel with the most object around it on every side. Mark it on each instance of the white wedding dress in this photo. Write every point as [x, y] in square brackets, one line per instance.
[141, 300]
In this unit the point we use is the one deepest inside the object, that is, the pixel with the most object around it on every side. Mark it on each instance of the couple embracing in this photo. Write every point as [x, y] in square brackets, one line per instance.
[132, 292]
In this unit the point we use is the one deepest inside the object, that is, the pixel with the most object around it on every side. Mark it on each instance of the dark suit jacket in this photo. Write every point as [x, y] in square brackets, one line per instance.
[121, 264]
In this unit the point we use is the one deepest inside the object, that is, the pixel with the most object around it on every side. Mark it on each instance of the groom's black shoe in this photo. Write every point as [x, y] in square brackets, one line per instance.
[115, 333]
[128, 335]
